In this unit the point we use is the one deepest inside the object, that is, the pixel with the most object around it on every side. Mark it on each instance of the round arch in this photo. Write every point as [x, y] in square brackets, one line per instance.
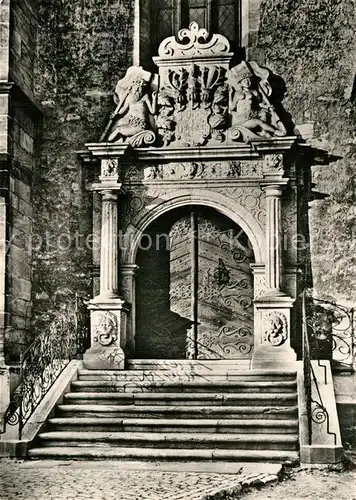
[227, 206]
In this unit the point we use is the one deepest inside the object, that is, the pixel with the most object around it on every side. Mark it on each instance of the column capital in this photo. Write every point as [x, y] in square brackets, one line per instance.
[129, 269]
[107, 185]
[109, 195]
[274, 189]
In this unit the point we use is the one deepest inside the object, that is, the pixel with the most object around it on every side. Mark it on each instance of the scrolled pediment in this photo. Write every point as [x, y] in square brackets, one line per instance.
[196, 100]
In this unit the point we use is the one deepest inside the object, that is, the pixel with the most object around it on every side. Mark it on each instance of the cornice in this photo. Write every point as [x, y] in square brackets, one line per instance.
[256, 149]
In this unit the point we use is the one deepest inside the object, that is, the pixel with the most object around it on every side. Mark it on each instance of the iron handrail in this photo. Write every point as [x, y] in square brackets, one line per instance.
[315, 408]
[45, 359]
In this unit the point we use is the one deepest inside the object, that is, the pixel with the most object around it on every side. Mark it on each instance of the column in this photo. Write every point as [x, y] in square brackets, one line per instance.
[109, 246]
[273, 239]
[128, 288]
[108, 311]
[272, 346]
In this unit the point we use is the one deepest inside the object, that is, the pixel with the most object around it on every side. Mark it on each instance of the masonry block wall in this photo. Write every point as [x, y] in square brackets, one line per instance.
[23, 25]
[83, 49]
[19, 123]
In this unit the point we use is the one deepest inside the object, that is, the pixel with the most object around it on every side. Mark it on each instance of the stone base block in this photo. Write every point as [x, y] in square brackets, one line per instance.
[269, 357]
[104, 358]
[321, 454]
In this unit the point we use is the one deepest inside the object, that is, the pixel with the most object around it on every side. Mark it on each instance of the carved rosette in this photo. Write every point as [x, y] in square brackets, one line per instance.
[252, 198]
[104, 328]
[275, 329]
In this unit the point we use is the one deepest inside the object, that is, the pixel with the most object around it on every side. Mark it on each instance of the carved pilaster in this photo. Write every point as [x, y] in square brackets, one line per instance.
[109, 246]
[273, 238]
[128, 290]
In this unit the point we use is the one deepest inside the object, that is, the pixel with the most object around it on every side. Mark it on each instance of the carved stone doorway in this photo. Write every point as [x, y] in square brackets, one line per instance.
[194, 288]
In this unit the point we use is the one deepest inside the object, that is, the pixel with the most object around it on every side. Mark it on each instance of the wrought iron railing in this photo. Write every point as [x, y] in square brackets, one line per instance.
[332, 331]
[41, 364]
[315, 408]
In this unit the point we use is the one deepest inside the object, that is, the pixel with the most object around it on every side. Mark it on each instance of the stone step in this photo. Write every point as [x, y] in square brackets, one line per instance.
[185, 375]
[156, 411]
[170, 440]
[153, 454]
[197, 365]
[261, 426]
[186, 386]
[186, 399]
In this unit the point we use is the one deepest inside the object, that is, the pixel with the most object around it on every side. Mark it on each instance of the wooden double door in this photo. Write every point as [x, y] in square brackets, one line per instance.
[194, 288]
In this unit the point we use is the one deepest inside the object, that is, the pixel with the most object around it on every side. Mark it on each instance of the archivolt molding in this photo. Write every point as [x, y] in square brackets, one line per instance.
[163, 202]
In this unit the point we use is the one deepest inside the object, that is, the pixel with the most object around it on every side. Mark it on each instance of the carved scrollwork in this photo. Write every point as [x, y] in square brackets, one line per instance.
[275, 328]
[273, 163]
[105, 328]
[260, 285]
[147, 137]
[110, 167]
[194, 170]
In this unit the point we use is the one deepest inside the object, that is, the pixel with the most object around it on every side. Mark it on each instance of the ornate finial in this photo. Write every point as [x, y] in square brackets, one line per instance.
[197, 42]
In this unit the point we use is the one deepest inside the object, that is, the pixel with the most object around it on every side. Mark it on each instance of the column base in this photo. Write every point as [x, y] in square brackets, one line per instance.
[104, 358]
[267, 357]
[108, 319]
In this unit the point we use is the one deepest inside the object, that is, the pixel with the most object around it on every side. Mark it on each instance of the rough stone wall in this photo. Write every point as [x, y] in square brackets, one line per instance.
[83, 49]
[310, 43]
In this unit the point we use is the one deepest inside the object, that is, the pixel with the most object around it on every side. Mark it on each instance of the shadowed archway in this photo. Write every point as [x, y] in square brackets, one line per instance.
[194, 287]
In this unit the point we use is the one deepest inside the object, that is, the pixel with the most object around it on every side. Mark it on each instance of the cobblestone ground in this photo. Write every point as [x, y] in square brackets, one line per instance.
[310, 485]
[46, 480]
[105, 481]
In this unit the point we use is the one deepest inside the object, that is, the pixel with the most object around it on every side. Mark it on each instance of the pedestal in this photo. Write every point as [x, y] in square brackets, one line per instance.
[272, 348]
[108, 321]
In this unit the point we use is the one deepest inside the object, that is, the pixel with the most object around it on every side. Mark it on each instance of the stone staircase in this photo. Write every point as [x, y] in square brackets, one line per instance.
[175, 410]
